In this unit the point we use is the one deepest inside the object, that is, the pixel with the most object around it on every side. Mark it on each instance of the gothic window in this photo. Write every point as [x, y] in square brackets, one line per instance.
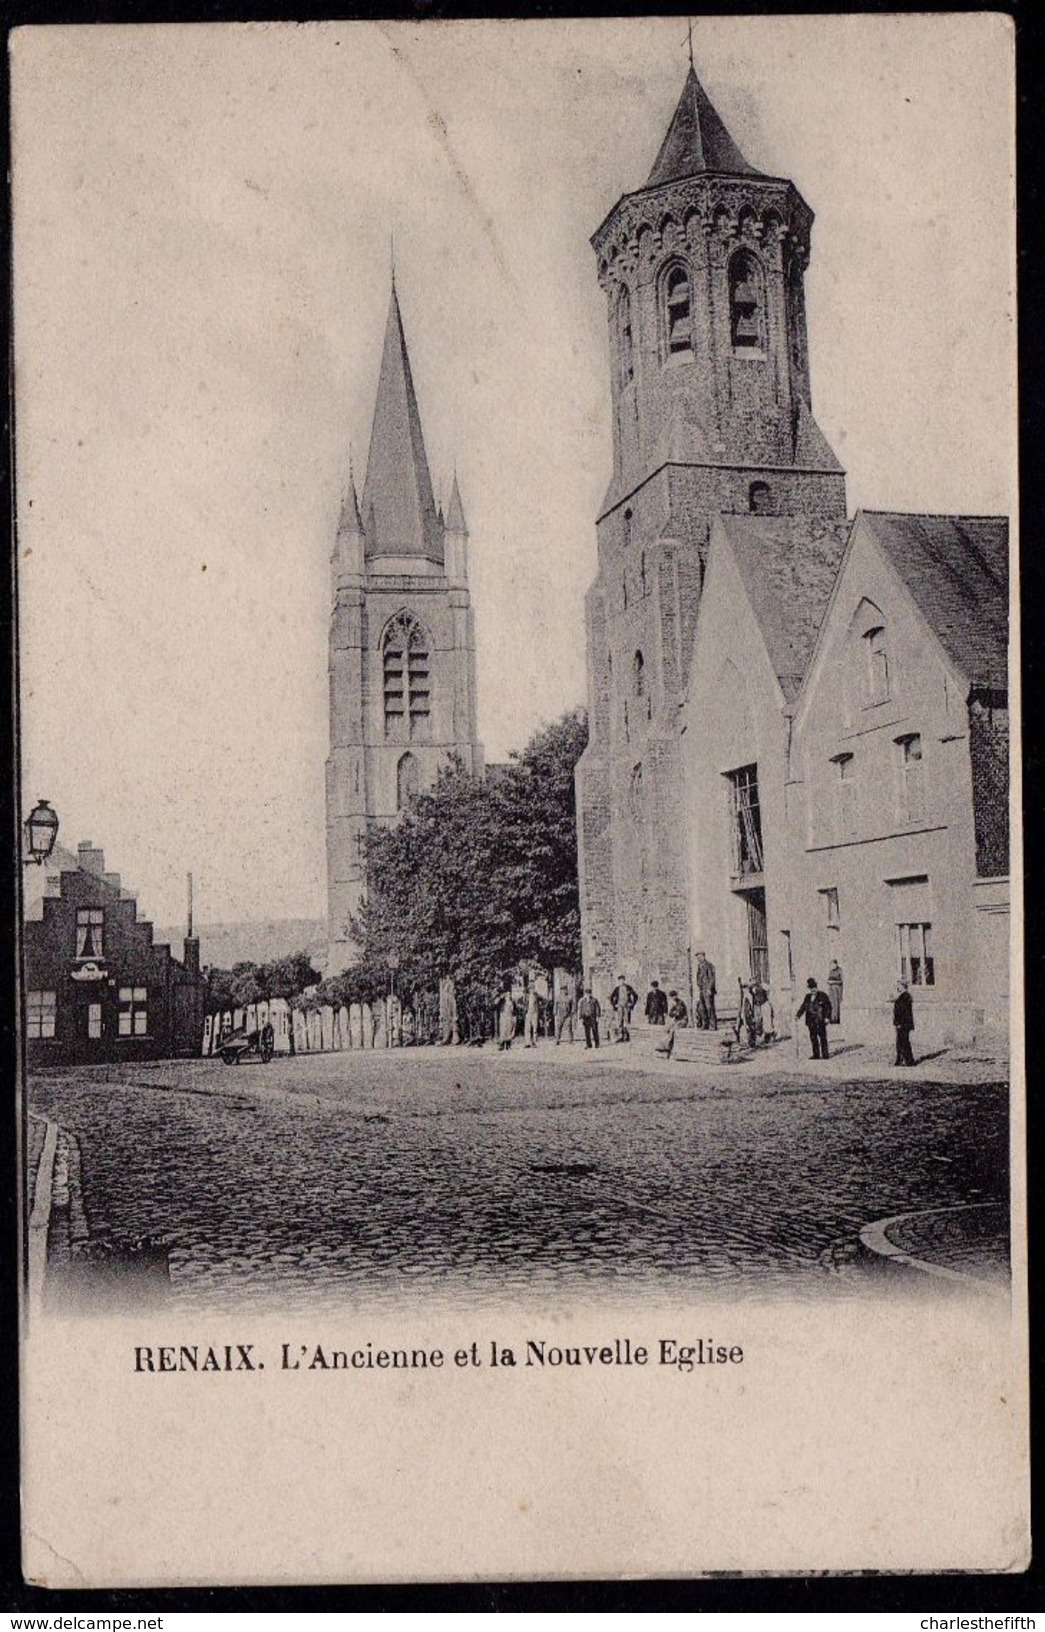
[877, 665]
[638, 670]
[627, 527]
[625, 343]
[635, 792]
[407, 682]
[747, 315]
[760, 499]
[407, 782]
[676, 314]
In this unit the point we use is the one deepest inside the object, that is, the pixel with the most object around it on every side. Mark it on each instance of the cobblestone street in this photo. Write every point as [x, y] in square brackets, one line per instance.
[364, 1174]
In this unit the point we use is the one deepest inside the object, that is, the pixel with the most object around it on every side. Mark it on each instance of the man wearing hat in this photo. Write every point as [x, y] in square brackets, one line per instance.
[816, 1006]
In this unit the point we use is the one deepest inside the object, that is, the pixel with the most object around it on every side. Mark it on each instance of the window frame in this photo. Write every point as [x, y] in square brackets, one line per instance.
[669, 282]
[38, 1011]
[132, 1008]
[917, 968]
[90, 927]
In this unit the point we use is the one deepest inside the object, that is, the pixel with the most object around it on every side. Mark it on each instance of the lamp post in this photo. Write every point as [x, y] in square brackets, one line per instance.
[41, 831]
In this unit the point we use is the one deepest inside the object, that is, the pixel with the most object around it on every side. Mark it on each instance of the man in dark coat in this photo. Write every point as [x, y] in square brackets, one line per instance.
[816, 1007]
[903, 1022]
[705, 977]
[588, 1011]
[656, 1004]
[623, 998]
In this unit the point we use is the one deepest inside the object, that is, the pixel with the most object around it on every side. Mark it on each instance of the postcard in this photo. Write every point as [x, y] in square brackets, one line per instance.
[516, 550]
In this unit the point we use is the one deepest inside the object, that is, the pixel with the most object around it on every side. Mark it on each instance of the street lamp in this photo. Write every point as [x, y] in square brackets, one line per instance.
[41, 830]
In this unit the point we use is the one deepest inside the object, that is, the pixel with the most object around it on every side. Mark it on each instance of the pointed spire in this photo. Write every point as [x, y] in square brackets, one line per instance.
[455, 522]
[397, 493]
[697, 141]
[350, 520]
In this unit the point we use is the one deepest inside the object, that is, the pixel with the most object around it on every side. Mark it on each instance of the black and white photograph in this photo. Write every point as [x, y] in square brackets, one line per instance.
[516, 569]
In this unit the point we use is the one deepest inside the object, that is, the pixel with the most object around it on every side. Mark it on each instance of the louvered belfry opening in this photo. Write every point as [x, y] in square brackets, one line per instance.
[407, 679]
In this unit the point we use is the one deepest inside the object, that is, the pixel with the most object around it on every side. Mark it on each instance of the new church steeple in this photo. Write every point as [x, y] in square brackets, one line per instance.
[402, 642]
[399, 513]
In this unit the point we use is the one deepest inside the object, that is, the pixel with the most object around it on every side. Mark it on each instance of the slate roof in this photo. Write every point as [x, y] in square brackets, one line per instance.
[788, 565]
[399, 514]
[957, 570]
[697, 141]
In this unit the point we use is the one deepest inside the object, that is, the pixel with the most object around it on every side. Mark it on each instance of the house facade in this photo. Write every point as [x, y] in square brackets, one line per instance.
[98, 989]
[900, 776]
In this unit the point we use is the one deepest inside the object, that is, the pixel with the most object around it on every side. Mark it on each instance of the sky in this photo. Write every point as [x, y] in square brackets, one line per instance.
[204, 218]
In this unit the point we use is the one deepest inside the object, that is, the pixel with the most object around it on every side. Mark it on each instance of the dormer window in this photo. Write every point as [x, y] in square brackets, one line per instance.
[677, 312]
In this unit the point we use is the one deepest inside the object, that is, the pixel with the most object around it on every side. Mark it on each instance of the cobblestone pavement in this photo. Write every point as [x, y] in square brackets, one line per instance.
[972, 1240]
[359, 1175]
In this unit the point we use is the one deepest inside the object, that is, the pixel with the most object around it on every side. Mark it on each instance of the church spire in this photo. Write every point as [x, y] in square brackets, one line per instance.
[697, 142]
[398, 502]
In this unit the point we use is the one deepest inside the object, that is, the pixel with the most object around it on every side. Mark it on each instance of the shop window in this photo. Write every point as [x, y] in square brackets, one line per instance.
[133, 1018]
[90, 923]
[41, 1010]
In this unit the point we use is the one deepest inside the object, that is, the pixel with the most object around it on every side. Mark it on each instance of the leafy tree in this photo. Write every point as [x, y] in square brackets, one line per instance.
[480, 876]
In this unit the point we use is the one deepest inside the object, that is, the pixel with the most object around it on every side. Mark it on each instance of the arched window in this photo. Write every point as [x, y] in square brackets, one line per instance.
[407, 684]
[638, 673]
[760, 499]
[676, 314]
[877, 665]
[625, 344]
[747, 316]
[407, 782]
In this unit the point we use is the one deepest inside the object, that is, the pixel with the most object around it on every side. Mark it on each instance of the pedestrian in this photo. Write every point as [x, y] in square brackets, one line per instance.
[816, 1006]
[656, 1005]
[834, 987]
[563, 1017]
[764, 1012]
[623, 999]
[678, 1016]
[505, 1008]
[903, 1022]
[589, 1011]
[705, 977]
[751, 1014]
[532, 1017]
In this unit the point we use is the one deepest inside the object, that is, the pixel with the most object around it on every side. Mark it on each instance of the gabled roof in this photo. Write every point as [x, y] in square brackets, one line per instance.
[399, 513]
[957, 571]
[697, 141]
[788, 565]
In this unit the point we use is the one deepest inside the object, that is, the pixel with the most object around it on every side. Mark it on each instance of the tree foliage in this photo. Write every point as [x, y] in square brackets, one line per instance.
[480, 876]
[247, 983]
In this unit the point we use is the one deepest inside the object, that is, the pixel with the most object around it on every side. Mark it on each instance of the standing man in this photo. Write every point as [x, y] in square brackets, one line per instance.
[533, 1015]
[705, 977]
[623, 998]
[656, 1005]
[816, 1006]
[903, 1022]
[589, 1011]
[564, 1015]
[834, 987]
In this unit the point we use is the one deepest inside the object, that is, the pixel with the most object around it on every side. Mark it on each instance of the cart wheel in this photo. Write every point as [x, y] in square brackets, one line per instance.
[230, 1057]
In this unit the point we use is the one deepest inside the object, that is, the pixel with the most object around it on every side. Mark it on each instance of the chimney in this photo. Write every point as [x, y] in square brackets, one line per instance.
[192, 942]
[90, 859]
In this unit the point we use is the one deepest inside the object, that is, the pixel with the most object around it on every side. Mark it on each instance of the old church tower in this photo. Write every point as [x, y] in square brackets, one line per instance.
[703, 270]
[402, 642]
